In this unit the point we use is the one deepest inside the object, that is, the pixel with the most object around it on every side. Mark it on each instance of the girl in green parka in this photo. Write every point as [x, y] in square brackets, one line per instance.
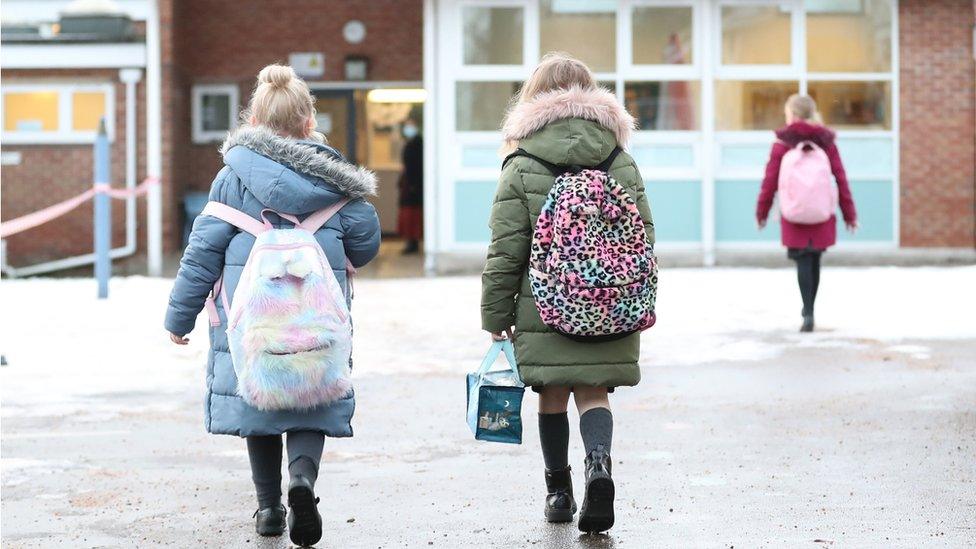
[560, 115]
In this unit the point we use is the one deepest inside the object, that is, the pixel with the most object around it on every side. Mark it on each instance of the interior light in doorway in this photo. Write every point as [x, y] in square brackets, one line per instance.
[397, 95]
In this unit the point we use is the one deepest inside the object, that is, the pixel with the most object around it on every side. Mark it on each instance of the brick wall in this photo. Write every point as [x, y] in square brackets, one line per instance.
[229, 42]
[48, 174]
[938, 123]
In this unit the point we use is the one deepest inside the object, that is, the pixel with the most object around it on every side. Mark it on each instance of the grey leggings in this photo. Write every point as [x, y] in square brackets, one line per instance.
[304, 455]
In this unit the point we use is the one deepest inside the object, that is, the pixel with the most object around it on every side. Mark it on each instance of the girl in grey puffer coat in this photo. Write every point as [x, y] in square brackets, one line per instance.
[271, 164]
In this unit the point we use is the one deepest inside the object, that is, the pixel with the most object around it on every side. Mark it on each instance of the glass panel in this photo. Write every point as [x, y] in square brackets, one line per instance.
[472, 207]
[735, 213]
[848, 35]
[662, 36]
[755, 35]
[751, 105]
[87, 108]
[215, 110]
[30, 111]
[861, 105]
[586, 29]
[492, 36]
[481, 105]
[669, 105]
[660, 155]
[677, 210]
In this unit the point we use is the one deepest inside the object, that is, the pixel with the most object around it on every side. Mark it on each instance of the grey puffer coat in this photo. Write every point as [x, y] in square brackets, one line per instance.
[263, 170]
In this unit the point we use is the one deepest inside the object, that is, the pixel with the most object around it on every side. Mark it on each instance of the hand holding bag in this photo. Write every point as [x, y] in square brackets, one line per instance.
[495, 398]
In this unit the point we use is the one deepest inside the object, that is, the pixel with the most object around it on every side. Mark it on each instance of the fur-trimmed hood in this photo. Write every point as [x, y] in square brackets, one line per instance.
[290, 175]
[805, 131]
[597, 105]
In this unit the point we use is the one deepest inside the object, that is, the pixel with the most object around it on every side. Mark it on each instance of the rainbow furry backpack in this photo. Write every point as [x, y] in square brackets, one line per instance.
[288, 324]
[592, 272]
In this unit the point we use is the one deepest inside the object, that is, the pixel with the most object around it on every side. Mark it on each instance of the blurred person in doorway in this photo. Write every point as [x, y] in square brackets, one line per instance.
[279, 174]
[806, 172]
[410, 224]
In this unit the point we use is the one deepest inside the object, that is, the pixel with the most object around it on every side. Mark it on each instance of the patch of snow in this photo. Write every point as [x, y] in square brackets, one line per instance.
[68, 350]
[915, 351]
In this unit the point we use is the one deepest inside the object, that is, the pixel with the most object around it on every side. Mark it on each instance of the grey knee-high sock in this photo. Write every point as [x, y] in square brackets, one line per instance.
[264, 453]
[305, 453]
[554, 435]
[596, 428]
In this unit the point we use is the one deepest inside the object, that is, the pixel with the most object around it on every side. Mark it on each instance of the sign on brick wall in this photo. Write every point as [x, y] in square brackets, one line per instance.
[308, 64]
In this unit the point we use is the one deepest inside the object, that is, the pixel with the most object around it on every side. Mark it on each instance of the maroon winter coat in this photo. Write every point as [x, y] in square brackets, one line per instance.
[819, 236]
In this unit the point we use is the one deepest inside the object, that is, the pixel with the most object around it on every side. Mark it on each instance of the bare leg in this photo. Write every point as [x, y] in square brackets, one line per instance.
[554, 400]
[588, 398]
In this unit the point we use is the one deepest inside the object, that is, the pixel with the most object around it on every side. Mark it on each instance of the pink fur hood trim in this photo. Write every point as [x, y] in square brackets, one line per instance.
[598, 105]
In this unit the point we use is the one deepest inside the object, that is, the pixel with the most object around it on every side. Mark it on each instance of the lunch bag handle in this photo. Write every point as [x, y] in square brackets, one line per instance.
[504, 346]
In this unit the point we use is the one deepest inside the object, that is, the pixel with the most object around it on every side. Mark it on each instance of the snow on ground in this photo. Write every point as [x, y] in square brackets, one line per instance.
[66, 348]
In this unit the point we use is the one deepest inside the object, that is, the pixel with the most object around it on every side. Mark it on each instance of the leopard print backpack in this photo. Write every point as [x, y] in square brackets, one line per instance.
[592, 271]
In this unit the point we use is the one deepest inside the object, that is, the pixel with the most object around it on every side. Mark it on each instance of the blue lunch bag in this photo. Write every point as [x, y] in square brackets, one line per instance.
[495, 398]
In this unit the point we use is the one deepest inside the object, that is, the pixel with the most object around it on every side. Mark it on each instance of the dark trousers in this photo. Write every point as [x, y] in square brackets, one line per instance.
[265, 452]
[807, 275]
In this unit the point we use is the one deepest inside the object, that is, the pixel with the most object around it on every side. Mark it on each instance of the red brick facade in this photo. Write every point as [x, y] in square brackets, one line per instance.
[938, 123]
[51, 173]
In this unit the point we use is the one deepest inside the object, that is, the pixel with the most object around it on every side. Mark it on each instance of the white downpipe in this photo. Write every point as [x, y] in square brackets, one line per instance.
[130, 77]
[431, 141]
[154, 141]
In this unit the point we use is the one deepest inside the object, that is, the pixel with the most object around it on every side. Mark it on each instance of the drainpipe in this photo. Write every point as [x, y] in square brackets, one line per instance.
[154, 141]
[130, 77]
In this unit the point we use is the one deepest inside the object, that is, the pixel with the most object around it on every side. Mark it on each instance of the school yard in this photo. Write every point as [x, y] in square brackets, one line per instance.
[744, 433]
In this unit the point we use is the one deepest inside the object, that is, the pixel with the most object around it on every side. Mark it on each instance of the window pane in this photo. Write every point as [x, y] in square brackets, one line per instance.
[663, 105]
[861, 105]
[848, 35]
[87, 108]
[492, 36]
[583, 28]
[662, 36]
[215, 110]
[30, 111]
[749, 105]
[481, 105]
[755, 35]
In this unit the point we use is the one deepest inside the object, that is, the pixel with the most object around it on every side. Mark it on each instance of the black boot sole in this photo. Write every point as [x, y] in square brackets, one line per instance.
[559, 515]
[597, 515]
[272, 532]
[305, 523]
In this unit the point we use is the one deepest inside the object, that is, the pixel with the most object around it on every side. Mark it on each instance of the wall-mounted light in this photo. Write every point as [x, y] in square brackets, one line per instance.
[356, 67]
[397, 95]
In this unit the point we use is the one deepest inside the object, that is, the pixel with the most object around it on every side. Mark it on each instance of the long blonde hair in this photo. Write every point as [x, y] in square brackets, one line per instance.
[804, 107]
[556, 71]
[283, 103]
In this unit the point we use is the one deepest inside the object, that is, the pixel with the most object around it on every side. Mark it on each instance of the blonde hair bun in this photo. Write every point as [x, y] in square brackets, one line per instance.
[279, 76]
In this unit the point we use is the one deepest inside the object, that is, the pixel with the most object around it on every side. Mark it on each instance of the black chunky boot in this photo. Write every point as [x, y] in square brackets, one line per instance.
[807, 323]
[270, 521]
[597, 513]
[560, 505]
[304, 521]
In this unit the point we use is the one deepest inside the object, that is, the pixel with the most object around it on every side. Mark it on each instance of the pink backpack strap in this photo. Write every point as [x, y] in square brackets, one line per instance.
[315, 221]
[235, 217]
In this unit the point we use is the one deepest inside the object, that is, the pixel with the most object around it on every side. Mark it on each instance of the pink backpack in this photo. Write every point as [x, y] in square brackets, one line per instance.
[807, 193]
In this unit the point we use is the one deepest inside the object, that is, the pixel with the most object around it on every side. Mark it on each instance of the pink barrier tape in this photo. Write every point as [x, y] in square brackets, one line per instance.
[40, 217]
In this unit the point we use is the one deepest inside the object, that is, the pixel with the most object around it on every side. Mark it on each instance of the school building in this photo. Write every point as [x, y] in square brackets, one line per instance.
[706, 80]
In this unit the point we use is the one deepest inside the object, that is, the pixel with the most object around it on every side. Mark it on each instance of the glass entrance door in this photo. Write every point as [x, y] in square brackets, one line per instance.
[336, 118]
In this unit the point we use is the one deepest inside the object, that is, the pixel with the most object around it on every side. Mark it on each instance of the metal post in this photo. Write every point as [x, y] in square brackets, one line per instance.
[103, 213]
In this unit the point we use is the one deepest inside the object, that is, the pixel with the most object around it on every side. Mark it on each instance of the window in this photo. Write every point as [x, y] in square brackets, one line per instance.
[481, 105]
[586, 29]
[669, 105]
[215, 111]
[755, 35]
[55, 113]
[848, 35]
[492, 36]
[751, 105]
[662, 36]
[854, 105]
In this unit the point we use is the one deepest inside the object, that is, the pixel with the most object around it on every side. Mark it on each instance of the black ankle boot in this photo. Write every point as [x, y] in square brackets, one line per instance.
[304, 521]
[560, 505]
[597, 512]
[270, 521]
[807, 323]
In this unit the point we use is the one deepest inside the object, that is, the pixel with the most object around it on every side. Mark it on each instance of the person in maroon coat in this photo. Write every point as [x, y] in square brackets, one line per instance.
[806, 243]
